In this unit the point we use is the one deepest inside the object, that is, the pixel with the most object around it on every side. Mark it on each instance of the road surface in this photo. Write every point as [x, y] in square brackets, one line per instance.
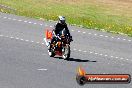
[24, 61]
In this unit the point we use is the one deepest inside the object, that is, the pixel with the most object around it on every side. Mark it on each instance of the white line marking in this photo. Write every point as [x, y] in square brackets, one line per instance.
[121, 58]
[22, 39]
[96, 53]
[118, 38]
[30, 22]
[84, 32]
[34, 23]
[42, 43]
[74, 49]
[101, 35]
[19, 20]
[106, 36]
[79, 31]
[100, 54]
[105, 55]
[17, 38]
[90, 52]
[25, 21]
[129, 40]
[42, 69]
[124, 39]
[111, 56]
[9, 18]
[90, 33]
[1, 35]
[11, 37]
[14, 19]
[84, 51]
[112, 37]
[116, 57]
[95, 34]
[41, 24]
[37, 42]
[72, 30]
[79, 50]
[26, 40]
[32, 41]
[5, 17]
[51, 26]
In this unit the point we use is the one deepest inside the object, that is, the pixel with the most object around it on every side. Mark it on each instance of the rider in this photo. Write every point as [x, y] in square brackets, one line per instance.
[60, 25]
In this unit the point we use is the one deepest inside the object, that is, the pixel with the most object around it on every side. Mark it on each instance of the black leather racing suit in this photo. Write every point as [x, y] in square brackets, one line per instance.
[58, 28]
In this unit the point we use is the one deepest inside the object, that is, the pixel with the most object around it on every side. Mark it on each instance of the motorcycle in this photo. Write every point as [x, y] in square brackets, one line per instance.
[59, 47]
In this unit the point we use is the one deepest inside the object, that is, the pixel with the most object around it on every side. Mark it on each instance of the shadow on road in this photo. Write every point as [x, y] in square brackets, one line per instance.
[79, 60]
[76, 60]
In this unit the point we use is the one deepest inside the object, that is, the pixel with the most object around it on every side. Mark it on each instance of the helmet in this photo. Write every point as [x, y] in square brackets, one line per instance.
[62, 19]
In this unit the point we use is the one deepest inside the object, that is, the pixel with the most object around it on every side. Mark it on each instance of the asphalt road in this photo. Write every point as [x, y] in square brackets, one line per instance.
[24, 61]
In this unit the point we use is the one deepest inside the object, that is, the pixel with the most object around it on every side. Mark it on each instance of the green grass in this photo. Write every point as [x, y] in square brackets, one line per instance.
[112, 16]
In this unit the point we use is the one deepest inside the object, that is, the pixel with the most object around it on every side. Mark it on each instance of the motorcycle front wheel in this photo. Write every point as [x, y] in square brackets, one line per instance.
[66, 52]
[51, 53]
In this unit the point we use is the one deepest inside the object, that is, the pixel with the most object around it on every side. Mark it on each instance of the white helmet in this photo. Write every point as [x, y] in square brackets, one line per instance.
[62, 19]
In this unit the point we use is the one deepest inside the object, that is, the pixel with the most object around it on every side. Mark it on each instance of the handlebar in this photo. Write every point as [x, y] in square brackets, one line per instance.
[59, 37]
[70, 37]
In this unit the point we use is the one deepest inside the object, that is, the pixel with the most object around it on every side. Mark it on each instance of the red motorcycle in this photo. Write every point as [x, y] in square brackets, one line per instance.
[60, 47]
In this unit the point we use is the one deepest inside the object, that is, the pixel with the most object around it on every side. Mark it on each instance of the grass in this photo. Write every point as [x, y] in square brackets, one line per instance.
[110, 15]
